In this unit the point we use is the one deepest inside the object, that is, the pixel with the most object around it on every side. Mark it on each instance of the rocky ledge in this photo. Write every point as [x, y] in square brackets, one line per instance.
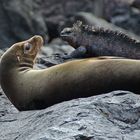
[112, 116]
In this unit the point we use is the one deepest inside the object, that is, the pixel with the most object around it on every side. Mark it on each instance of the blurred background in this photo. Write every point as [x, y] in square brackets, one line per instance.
[21, 19]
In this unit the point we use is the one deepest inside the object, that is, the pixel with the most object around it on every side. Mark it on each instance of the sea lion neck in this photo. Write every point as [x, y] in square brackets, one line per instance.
[25, 63]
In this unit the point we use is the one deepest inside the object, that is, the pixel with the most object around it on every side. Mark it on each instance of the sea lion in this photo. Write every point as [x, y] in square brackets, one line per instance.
[29, 89]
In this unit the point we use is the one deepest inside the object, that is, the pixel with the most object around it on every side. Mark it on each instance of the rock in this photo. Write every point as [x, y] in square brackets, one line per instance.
[19, 21]
[136, 3]
[112, 116]
[6, 106]
[122, 14]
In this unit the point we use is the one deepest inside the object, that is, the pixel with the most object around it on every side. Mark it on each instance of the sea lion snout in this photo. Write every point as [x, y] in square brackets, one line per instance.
[36, 40]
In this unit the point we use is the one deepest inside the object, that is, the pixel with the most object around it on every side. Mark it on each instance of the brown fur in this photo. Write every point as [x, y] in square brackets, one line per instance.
[28, 88]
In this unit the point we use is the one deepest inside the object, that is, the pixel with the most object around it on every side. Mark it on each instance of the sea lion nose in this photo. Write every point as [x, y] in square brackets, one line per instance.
[38, 39]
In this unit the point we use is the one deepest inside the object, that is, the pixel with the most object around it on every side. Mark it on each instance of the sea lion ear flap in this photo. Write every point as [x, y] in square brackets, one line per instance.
[77, 25]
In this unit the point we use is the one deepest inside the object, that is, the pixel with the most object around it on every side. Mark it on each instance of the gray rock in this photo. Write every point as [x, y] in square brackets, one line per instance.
[19, 21]
[123, 14]
[6, 106]
[136, 4]
[113, 116]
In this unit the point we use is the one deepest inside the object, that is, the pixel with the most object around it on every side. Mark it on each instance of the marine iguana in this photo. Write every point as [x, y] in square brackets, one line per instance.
[90, 41]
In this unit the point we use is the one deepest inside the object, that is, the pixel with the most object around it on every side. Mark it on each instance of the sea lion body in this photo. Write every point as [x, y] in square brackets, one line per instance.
[37, 89]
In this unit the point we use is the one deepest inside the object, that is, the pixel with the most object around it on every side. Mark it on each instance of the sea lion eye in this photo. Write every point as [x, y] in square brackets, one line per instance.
[27, 47]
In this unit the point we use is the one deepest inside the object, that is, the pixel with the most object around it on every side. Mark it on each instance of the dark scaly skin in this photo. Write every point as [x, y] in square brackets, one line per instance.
[89, 41]
[28, 88]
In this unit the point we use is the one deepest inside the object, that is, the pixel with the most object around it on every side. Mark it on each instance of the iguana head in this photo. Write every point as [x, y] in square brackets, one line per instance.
[73, 35]
[85, 35]
[77, 35]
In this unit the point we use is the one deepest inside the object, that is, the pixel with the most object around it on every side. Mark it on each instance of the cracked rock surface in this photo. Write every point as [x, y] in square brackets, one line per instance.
[112, 116]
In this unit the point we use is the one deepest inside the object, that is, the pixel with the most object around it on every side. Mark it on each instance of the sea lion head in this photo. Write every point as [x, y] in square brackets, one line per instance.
[23, 52]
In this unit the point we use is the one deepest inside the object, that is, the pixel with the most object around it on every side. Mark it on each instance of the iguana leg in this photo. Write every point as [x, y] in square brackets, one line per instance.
[78, 53]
